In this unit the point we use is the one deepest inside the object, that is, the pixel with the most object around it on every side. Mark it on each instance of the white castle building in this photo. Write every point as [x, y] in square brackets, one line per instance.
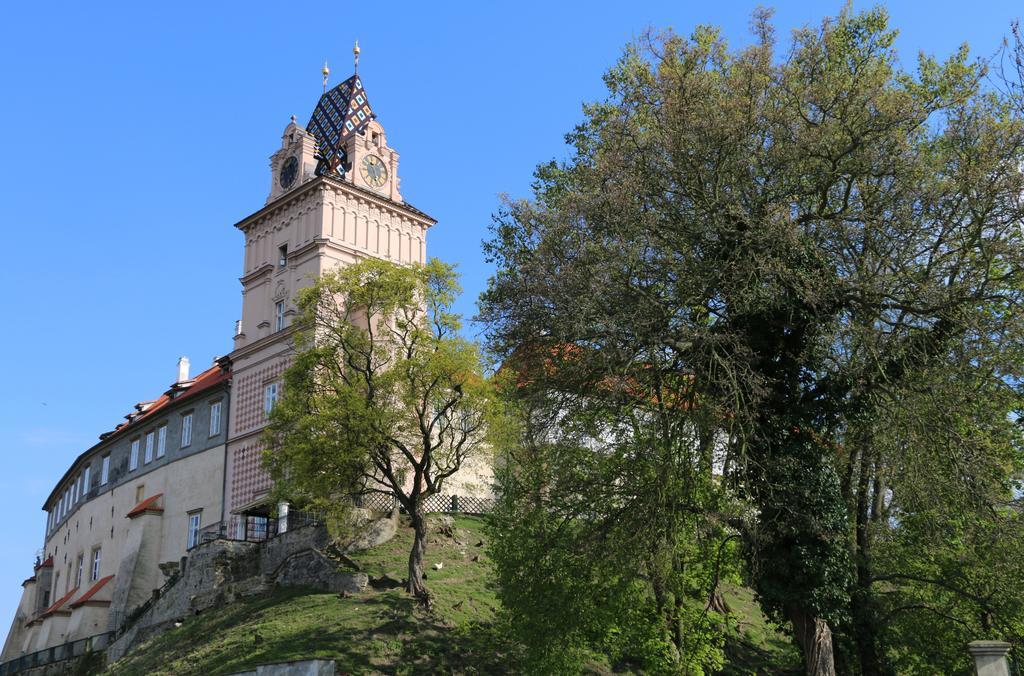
[189, 461]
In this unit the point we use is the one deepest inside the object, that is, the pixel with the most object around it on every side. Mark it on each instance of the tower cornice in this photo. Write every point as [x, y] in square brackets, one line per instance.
[399, 208]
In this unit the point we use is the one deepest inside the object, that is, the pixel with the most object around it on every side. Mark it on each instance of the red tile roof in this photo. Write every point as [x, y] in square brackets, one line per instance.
[60, 602]
[210, 378]
[147, 505]
[48, 563]
[92, 592]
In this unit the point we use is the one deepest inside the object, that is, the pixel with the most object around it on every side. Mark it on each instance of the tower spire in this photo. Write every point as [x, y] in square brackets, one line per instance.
[326, 73]
[355, 53]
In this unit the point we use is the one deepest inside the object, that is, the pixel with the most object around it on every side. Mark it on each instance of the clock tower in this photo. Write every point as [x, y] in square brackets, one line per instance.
[334, 199]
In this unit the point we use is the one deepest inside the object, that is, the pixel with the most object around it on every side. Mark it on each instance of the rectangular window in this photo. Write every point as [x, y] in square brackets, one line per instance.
[140, 493]
[214, 418]
[149, 448]
[86, 479]
[95, 565]
[105, 471]
[195, 522]
[81, 568]
[133, 458]
[186, 430]
[161, 441]
[279, 315]
[269, 398]
[74, 491]
[282, 256]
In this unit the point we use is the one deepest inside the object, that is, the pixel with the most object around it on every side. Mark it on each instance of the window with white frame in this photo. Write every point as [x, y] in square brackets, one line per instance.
[269, 398]
[74, 491]
[279, 315]
[149, 447]
[105, 470]
[161, 441]
[95, 564]
[215, 418]
[195, 522]
[86, 478]
[186, 430]
[133, 456]
[81, 568]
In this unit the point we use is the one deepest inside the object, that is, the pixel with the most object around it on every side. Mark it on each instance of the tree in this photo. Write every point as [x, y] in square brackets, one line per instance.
[822, 244]
[383, 396]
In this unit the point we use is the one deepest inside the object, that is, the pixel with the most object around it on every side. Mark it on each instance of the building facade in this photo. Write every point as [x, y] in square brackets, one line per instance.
[125, 513]
[128, 509]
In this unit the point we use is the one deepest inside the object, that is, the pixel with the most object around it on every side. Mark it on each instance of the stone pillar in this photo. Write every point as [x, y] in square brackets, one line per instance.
[990, 657]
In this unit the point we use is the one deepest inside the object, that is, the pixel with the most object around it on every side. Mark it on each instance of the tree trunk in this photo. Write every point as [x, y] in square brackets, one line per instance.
[416, 556]
[862, 600]
[814, 637]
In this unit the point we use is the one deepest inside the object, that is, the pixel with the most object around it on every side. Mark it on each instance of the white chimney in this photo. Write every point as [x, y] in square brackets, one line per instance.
[182, 370]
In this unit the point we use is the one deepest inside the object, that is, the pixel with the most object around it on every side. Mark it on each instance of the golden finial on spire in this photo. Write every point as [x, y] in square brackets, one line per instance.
[327, 73]
[355, 52]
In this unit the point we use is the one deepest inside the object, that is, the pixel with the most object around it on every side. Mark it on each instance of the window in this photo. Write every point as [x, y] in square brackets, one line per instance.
[81, 568]
[161, 441]
[149, 448]
[86, 479]
[269, 398]
[282, 256]
[74, 490]
[215, 418]
[105, 471]
[140, 493]
[133, 458]
[186, 430]
[279, 315]
[95, 565]
[195, 521]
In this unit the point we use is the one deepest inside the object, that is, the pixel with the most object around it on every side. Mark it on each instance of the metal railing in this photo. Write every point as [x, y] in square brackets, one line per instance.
[256, 528]
[58, 653]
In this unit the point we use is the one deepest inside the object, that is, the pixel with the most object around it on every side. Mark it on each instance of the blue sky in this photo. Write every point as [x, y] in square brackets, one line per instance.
[138, 134]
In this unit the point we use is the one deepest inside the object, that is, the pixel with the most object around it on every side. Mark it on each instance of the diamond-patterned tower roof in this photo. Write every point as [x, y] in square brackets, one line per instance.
[340, 113]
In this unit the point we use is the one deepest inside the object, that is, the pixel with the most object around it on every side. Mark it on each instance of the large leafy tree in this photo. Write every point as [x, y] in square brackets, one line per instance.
[383, 395]
[828, 248]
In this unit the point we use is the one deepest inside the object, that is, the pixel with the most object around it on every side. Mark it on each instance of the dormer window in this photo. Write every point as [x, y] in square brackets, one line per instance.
[282, 257]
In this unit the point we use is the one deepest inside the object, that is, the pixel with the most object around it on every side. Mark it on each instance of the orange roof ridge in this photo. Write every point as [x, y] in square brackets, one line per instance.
[60, 602]
[147, 505]
[92, 592]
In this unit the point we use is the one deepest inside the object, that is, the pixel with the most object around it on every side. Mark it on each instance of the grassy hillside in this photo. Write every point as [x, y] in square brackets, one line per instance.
[380, 630]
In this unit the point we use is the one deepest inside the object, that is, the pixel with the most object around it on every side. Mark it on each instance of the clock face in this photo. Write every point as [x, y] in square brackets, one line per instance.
[373, 170]
[289, 172]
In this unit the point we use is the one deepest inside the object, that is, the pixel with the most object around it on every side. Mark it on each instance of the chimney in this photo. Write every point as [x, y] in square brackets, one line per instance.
[182, 370]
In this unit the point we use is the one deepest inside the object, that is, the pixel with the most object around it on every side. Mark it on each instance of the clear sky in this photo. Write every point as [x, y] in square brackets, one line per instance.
[137, 134]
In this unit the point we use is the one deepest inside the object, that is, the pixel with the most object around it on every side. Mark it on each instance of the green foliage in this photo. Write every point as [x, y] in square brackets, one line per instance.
[816, 261]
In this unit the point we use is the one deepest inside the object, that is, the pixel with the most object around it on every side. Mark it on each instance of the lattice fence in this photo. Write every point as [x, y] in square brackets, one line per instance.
[443, 502]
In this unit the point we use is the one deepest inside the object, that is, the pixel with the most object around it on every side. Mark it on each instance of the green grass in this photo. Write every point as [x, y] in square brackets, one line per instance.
[382, 632]
[755, 645]
[370, 632]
